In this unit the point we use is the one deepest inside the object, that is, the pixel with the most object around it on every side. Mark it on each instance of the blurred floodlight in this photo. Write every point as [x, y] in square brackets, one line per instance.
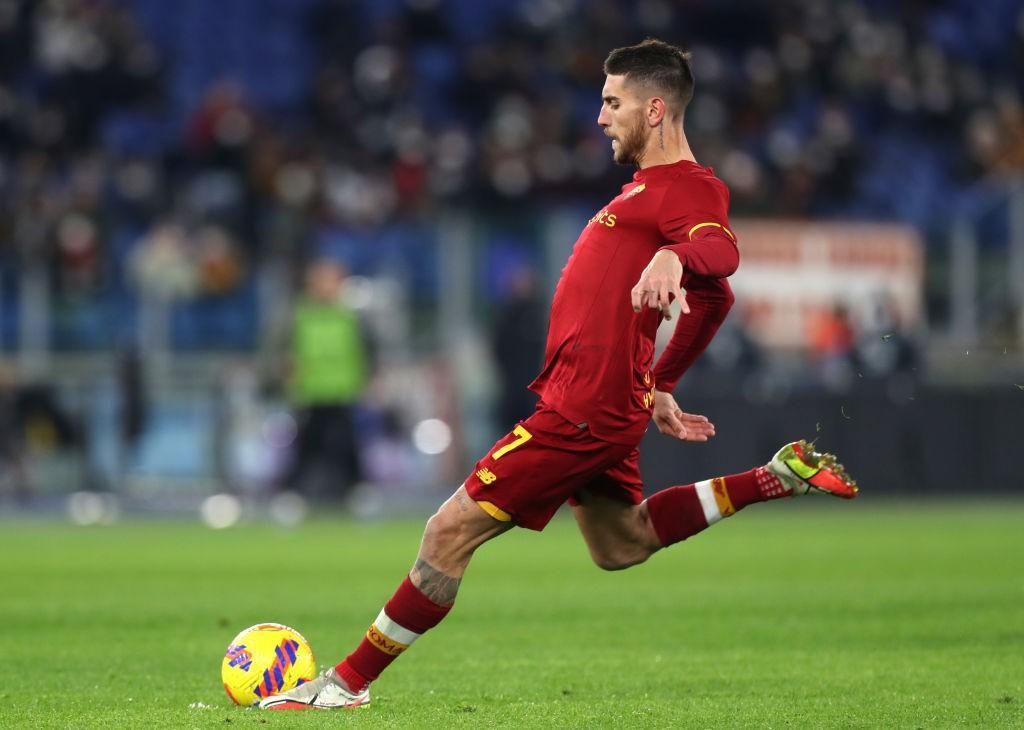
[432, 436]
[92, 508]
[288, 509]
[280, 429]
[220, 511]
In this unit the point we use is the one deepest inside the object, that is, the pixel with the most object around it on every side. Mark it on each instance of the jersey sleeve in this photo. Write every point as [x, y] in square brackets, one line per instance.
[694, 220]
[710, 300]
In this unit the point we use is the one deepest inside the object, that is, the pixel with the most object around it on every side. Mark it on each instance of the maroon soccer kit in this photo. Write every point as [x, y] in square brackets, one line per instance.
[597, 386]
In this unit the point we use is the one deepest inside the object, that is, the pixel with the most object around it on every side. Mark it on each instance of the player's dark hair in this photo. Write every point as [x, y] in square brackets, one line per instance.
[658, 65]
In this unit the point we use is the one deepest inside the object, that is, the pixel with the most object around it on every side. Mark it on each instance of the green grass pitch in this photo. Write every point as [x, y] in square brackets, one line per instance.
[830, 614]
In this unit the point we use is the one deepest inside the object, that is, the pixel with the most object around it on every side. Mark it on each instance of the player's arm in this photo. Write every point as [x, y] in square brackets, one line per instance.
[710, 302]
[710, 253]
[694, 221]
[693, 218]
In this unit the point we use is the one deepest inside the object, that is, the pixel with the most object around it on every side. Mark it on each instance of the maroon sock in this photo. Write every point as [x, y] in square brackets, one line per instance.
[755, 485]
[404, 619]
[676, 514]
[681, 512]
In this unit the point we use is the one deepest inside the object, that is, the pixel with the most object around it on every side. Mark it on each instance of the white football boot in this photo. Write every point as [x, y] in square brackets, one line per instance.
[326, 692]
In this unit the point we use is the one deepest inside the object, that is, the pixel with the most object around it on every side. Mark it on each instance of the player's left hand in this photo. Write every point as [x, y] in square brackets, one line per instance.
[671, 421]
[659, 283]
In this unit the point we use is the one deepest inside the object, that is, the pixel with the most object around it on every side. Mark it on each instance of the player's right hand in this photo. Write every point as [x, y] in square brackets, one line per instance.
[672, 421]
[659, 283]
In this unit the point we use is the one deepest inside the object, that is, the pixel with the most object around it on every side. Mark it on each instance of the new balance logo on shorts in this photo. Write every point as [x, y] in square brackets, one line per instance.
[486, 476]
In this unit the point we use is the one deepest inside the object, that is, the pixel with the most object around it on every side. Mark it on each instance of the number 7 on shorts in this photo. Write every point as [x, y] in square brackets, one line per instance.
[522, 436]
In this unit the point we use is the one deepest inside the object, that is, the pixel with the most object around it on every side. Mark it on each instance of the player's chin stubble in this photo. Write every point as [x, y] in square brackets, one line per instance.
[631, 144]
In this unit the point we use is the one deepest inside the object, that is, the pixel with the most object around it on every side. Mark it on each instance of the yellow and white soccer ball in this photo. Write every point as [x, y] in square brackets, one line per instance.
[266, 659]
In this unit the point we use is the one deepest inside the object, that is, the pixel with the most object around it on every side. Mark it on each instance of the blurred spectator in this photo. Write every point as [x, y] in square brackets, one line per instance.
[329, 373]
[134, 407]
[885, 348]
[109, 119]
[389, 459]
[831, 340]
[13, 476]
[518, 339]
[33, 424]
[734, 350]
[219, 266]
[161, 265]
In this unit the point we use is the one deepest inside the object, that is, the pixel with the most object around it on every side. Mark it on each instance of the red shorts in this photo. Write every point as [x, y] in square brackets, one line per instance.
[532, 471]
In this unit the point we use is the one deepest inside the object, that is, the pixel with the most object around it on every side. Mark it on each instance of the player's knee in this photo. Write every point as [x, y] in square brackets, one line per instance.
[440, 529]
[615, 562]
[630, 545]
[446, 537]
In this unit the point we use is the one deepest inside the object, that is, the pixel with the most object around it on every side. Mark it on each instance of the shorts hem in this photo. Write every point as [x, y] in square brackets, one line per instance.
[535, 525]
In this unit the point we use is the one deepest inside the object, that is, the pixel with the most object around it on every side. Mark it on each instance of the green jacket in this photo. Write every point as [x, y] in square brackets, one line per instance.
[329, 361]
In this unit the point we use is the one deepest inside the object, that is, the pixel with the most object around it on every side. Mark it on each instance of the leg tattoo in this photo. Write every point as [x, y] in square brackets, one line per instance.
[432, 583]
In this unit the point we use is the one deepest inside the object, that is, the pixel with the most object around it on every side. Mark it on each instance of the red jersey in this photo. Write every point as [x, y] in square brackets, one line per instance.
[599, 355]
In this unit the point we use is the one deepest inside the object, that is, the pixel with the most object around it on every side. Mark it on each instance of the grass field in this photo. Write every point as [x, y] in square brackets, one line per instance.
[818, 615]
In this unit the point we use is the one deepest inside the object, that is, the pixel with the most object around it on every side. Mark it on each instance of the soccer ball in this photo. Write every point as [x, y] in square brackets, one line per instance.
[266, 659]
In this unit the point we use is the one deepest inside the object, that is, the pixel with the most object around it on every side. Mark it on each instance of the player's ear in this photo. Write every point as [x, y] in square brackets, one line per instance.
[656, 111]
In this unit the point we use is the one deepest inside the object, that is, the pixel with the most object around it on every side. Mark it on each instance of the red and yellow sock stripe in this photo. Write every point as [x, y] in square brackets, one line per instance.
[388, 636]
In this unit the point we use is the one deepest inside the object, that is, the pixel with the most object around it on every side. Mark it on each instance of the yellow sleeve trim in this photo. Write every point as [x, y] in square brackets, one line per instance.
[494, 511]
[689, 234]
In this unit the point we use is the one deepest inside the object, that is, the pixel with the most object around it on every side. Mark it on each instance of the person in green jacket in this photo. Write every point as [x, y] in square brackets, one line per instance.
[329, 372]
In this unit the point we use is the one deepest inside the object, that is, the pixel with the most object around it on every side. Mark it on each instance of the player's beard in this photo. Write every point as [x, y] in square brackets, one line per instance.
[632, 143]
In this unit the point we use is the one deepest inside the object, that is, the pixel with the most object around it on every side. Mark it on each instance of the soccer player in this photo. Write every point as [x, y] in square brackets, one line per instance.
[668, 230]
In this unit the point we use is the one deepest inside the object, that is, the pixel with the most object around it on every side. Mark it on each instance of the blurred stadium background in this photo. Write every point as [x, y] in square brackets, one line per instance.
[189, 189]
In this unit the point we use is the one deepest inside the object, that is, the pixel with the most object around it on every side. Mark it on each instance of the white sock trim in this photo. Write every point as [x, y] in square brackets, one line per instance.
[707, 502]
[394, 631]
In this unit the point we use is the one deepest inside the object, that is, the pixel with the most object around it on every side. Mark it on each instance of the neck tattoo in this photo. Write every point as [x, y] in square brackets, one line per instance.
[661, 137]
